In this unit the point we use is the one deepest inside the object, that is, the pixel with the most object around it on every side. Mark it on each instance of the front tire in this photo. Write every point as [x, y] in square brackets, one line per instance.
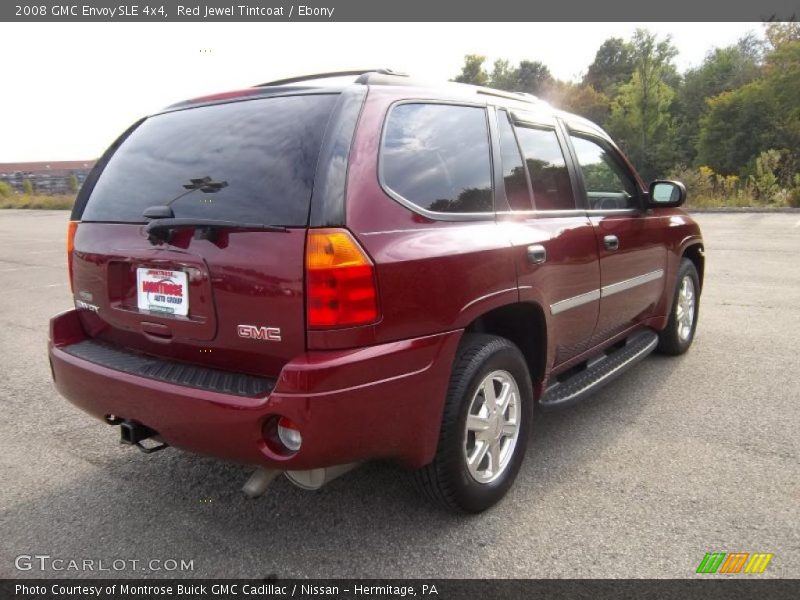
[485, 426]
[679, 333]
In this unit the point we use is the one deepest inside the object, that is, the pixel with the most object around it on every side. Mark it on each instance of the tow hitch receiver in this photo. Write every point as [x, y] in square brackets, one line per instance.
[133, 434]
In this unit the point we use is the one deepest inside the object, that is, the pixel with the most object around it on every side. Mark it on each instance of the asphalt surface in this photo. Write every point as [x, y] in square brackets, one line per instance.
[679, 457]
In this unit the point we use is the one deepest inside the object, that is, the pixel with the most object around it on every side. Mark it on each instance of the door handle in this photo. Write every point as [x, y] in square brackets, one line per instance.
[537, 254]
[611, 242]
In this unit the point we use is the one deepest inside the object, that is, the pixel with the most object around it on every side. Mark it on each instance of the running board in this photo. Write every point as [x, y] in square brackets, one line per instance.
[599, 371]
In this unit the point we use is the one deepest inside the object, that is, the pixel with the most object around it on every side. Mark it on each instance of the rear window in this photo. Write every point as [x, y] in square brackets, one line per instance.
[436, 156]
[257, 157]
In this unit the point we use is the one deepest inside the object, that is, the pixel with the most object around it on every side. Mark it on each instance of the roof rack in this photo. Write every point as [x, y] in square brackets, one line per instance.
[521, 96]
[331, 74]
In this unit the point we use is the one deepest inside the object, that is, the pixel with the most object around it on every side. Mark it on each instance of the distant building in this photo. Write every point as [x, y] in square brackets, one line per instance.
[46, 177]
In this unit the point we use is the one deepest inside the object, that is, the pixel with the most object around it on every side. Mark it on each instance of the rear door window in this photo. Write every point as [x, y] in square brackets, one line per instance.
[516, 182]
[436, 157]
[547, 168]
[257, 157]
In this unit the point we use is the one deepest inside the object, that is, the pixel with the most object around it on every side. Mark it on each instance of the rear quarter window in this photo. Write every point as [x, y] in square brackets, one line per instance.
[263, 153]
[436, 157]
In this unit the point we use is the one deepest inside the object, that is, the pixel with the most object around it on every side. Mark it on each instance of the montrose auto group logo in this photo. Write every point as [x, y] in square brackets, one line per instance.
[162, 289]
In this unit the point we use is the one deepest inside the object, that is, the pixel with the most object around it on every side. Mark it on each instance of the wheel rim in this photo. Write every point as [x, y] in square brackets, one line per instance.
[492, 427]
[685, 308]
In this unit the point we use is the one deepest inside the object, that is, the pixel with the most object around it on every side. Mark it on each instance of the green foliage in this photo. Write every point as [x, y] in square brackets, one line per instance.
[730, 127]
[758, 116]
[503, 76]
[724, 69]
[737, 127]
[27, 187]
[612, 66]
[533, 77]
[63, 202]
[6, 191]
[582, 100]
[72, 183]
[640, 117]
[472, 71]
[765, 179]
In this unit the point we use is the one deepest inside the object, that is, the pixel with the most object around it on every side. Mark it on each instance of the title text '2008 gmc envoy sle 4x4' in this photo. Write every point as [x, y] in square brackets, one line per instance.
[304, 275]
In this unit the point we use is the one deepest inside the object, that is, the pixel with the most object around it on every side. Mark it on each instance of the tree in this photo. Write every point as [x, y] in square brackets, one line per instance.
[533, 77]
[27, 186]
[761, 115]
[472, 71]
[781, 33]
[5, 189]
[640, 113]
[738, 125]
[580, 99]
[72, 182]
[504, 77]
[724, 69]
[613, 65]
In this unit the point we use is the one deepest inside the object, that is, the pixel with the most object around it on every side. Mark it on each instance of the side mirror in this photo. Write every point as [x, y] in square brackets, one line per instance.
[665, 194]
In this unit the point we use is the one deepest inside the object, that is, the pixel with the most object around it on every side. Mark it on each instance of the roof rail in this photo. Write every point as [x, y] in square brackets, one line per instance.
[521, 96]
[330, 74]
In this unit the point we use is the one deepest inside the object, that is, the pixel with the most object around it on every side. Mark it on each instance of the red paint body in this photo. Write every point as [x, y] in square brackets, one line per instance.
[373, 391]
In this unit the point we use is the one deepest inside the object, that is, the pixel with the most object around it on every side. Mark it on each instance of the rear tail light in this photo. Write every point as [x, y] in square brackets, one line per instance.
[289, 434]
[72, 228]
[340, 281]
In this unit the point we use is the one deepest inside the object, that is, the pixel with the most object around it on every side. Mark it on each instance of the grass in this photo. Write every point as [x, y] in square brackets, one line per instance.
[65, 201]
[60, 202]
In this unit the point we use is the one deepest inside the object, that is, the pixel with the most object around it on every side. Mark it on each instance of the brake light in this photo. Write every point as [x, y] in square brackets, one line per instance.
[72, 227]
[340, 281]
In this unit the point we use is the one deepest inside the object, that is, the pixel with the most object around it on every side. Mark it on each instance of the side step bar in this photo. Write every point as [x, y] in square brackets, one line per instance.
[598, 372]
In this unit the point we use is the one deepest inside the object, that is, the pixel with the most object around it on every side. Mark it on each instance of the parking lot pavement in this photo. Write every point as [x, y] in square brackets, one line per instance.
[679, 457]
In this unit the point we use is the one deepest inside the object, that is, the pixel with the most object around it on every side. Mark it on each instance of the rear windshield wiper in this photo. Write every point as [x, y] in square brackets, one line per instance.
[161, 229]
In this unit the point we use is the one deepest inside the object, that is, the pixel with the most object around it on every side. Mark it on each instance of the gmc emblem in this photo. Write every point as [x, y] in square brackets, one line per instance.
[251, 332]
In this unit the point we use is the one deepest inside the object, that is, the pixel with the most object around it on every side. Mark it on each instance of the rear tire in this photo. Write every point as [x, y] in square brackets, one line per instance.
[485, 426]
[679, 333]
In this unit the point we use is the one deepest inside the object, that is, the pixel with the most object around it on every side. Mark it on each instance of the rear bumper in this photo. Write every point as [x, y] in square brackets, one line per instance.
[381, 401]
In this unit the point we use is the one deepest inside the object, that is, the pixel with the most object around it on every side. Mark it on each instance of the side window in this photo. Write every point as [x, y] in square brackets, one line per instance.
[516, 183]
[608, 184]
[437, 157]
[547, 169]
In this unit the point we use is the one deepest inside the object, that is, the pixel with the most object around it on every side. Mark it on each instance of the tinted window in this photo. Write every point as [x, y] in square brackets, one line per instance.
[608, 184]
[261, 153]
[437, 156]
[547, 168]
[516, 183]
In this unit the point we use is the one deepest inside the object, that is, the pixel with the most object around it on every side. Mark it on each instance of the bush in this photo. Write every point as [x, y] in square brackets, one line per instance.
[5, 189]
[41, 202]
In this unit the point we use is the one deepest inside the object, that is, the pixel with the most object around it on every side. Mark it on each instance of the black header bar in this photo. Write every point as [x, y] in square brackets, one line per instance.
[150, 11]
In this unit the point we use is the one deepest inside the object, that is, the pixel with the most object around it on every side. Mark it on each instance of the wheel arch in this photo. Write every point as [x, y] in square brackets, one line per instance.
[524, 324]
[696, 253]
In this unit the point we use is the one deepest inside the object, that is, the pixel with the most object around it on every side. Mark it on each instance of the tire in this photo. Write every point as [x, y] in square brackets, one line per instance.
[678, 335]
[450, 480]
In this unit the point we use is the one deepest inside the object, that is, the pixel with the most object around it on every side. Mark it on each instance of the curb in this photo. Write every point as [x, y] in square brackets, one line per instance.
[745, 209]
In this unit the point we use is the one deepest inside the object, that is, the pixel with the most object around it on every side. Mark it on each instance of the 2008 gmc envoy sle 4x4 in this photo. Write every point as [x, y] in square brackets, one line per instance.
[305, 275]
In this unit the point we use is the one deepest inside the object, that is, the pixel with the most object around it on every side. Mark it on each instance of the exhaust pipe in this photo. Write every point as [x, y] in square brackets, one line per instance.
[133, 434]
[259, 481]
[313, 479]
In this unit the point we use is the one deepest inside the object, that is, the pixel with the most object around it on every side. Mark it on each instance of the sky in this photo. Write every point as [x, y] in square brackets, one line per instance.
[70, 89]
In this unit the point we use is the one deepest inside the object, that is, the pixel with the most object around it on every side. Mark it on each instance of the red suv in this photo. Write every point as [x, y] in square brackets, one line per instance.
[304, 275]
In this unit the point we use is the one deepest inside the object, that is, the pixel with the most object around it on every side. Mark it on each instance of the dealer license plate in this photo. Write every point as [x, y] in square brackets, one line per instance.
[161, 291]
